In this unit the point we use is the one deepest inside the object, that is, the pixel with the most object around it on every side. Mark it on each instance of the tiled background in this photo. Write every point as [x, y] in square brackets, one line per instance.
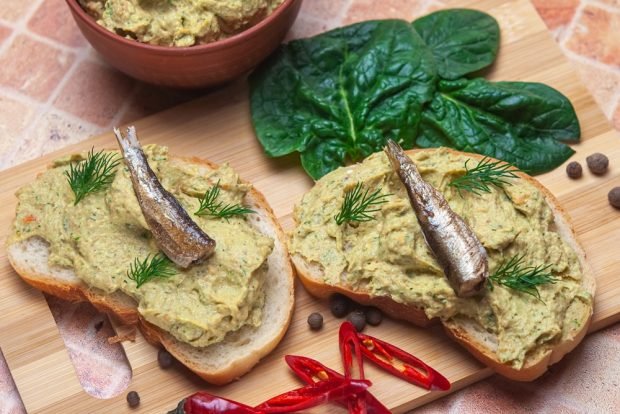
[55, 90]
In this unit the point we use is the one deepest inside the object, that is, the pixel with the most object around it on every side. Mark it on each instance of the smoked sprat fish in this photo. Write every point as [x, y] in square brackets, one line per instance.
[455, 246]
[176, 234]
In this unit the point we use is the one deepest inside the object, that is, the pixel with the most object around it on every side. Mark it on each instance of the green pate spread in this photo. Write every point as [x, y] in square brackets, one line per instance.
[178, 22]
[102, 235]
[389, 256]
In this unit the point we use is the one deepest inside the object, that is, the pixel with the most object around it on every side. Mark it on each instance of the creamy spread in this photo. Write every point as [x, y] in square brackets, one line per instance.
[388, 256]
[178, 22]
[101, 236]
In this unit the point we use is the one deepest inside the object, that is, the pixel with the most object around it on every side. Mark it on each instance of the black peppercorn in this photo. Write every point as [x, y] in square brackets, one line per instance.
[597, 163]
[165, 359]
[358, 319]
[373, 316]
[339, 305]
[315, 320]
[614, 197]
[133, 399]
[574, 170]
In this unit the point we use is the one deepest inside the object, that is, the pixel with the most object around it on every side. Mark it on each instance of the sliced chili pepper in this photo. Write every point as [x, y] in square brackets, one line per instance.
[312, 371]
[349, 343]
[205, 403]
[401, 363]
[309, 370]
[348, 339]
[330, 390]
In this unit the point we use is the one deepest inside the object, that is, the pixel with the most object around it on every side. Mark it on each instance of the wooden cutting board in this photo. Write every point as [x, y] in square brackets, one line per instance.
[218, 127]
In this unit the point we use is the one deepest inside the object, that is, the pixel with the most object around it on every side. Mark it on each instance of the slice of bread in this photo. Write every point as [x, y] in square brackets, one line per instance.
[482, 344]
[219, 363]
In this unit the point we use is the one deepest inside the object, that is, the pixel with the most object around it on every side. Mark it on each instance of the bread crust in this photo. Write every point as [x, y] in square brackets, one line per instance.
[247, 353]
[534, 366]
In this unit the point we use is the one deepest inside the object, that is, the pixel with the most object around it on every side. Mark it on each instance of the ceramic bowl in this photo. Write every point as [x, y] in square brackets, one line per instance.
[190, 67]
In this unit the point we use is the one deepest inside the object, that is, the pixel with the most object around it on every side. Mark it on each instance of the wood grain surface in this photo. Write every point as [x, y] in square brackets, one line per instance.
[218, 127]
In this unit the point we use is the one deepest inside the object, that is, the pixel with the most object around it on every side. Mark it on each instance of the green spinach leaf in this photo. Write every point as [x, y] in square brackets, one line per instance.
[462, 40]
[519, 122]
[340, 95]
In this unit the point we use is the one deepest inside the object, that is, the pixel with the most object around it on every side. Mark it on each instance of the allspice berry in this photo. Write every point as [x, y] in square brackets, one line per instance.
[614, 197]
[358, 319]
[165, 359]
[133, 399]
[315, 320]
[597, 163]
[339, 305]
[373, 316]
[574, 170]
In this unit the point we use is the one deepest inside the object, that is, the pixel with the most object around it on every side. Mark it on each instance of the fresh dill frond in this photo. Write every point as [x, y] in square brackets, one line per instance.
[209, 206]
[358, 204]
[158, 265]
[93, 174]
[514, 275]
[485, 174]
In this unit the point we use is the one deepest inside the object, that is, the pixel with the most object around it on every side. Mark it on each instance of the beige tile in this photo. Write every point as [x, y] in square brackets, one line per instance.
[13, 10]
[323, 9]
[615, 119]
[433, 6]
[4, 33]
[14, 118]
[33, 68]
[556, 13]
[55, 130]
[513, 20]
[585, 377]
[103, 369]
[388, 9]
[53, 20]
[95, 93]
[613, 3]
[52, 132]
[306, 28]
[596, 35]
[602, 83]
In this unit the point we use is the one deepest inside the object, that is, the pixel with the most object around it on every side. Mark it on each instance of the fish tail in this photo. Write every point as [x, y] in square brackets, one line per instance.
[129, 141]
[394, 152]
[401, 163]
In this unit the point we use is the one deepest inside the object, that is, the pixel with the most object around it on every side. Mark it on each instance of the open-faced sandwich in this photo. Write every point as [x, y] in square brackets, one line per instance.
[181, 247]
[443, 235]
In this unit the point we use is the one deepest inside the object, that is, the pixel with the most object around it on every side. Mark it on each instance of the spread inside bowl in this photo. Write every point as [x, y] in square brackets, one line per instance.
[178, 22]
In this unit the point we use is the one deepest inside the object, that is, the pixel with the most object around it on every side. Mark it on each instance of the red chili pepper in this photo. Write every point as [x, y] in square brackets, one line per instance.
[348, 339]
[205, 403]
[330, 390]
[349, 343]
[309, 370]
[312, 371]
[401, 363]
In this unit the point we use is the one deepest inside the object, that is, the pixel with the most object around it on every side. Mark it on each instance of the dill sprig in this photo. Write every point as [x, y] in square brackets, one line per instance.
[158, 265]
[358, 204]
[514, 275]
[209, 206]
[485, 174]
[93, 174]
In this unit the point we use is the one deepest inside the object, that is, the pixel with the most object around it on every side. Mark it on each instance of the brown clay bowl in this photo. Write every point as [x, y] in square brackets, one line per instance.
[190, 67]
